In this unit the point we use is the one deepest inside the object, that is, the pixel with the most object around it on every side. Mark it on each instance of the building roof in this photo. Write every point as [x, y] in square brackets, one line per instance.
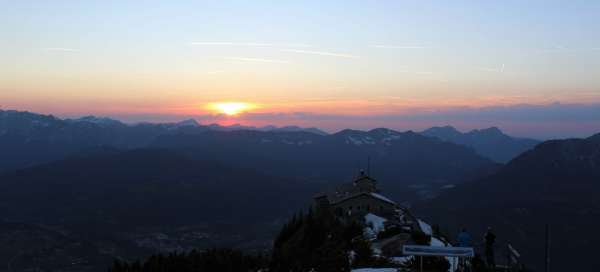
[373, 195]
[383, 198]
[352, 190]
[365, 177]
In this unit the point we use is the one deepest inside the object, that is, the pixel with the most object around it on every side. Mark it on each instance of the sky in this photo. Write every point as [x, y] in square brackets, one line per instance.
[531, 68]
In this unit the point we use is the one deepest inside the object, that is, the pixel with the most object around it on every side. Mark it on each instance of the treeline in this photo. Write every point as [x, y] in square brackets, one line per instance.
[320, 241]
[223, 260]
[312, 241]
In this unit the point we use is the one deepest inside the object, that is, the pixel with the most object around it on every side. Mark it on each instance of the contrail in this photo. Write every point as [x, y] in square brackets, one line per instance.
[399, 46]
[250, 44]
[232, 44]
[256, 60]
[321, 53]
[62, 49]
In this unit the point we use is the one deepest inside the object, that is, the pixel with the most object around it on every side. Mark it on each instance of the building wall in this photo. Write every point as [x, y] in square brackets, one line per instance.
[364, 204]
[365, 185]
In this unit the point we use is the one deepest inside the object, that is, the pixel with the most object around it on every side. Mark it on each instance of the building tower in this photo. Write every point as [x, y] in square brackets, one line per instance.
[365, 184]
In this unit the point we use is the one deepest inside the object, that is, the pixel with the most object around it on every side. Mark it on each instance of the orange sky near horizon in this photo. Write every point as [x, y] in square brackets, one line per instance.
[175, 105]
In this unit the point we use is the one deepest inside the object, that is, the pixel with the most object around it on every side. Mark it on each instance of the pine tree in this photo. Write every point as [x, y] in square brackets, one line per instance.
[364, 253]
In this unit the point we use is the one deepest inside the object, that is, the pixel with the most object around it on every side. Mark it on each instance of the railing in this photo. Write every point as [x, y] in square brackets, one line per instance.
[464, 254]
[513, 259]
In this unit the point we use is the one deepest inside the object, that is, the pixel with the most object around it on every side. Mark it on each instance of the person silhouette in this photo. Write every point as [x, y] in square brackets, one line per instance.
[490, 240]
[464, 238]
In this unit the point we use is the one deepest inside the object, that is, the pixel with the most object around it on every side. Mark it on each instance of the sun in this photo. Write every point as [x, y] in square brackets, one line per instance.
[231, 108]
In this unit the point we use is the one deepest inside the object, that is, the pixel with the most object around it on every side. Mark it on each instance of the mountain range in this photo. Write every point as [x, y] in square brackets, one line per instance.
[105, 121]
[396, 157]
[28, 138]
[490, 142]
[31, 138]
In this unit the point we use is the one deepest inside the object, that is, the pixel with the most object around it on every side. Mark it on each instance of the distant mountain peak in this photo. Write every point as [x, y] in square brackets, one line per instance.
[349, 131]
[442, 132]
[490, 131]
[267, 128]
[383, 131]
[27, 114]
[595, 137]
[294, 129]
[188, 123]
[102, 121]
[377, 136]
[490, 142]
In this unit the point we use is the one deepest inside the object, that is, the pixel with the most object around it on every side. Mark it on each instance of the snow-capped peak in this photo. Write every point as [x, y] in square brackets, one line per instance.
[375, 136]
[102, 121]
[186, 123]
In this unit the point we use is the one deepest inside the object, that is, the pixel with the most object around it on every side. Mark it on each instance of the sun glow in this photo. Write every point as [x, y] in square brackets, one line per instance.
[231, 108]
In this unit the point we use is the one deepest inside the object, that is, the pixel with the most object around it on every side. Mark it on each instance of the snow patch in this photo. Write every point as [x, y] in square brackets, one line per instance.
[369, 233]
[375, 270]
[39, 123]
[383, 198]
[185, 123]
[375, 222]
[298, 143]
[101, 121]
[402, 260]
[452, 260]
[288, 142]
[391, 138]
[426, 228]
[449, 186]
[360, 140]
[437, 242]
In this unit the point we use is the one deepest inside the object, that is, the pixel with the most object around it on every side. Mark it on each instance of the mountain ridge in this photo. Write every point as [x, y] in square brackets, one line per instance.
[31, 139]
[490, 142]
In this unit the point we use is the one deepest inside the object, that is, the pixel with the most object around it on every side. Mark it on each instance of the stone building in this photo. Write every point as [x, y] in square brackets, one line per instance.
[358, 199]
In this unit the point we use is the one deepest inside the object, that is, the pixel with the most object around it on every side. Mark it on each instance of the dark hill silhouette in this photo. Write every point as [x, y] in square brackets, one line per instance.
[123, 204]
[490, 142]
[145, 187]
[558, 182]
